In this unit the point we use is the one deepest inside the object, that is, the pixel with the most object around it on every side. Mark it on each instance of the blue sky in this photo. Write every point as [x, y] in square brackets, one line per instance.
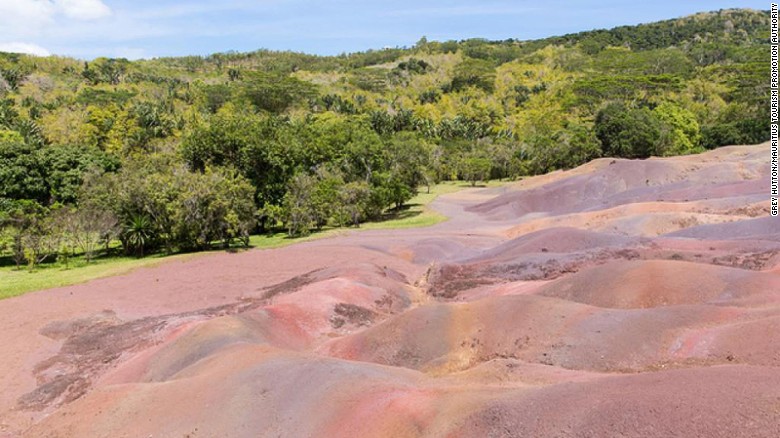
[151, 28]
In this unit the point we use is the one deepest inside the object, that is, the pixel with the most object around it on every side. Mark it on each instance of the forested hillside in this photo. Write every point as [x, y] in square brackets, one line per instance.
[183, 153]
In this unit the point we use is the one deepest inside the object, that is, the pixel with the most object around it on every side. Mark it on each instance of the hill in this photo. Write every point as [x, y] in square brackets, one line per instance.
[184, 153]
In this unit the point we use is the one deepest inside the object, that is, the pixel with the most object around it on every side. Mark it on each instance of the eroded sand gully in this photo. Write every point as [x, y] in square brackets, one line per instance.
[622, 298]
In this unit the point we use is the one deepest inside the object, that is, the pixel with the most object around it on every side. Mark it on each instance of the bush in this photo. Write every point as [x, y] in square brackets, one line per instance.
[628, 132]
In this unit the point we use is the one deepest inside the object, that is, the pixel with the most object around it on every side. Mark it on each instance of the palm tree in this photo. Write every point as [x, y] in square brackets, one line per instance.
[138, 232]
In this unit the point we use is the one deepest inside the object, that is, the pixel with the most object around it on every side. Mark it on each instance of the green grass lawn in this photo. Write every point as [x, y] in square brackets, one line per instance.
[15, 282]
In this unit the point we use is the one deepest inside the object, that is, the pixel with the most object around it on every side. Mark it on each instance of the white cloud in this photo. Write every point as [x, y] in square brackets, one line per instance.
[36, 13]
[17, 47]
[83, 9]
[36, 20]
[25, 14]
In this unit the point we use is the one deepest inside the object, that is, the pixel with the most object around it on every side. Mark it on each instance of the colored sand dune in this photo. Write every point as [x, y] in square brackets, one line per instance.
[621, 298]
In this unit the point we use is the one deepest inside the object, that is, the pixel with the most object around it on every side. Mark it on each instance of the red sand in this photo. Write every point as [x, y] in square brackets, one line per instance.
[622, 298]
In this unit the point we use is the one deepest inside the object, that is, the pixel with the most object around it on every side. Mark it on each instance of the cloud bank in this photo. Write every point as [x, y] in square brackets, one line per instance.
[30, 18]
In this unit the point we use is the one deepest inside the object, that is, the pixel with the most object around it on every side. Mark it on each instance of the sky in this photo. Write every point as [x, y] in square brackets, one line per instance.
[136, 29]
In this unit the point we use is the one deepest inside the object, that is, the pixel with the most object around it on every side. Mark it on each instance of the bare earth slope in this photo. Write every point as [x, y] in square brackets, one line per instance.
[621, 298]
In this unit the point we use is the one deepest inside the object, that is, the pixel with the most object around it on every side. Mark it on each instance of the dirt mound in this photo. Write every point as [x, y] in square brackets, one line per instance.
[712, 402]
[535, 329]
[764, 228]
[612, 182]
[553, 240]
[244, 391]
[658, 283]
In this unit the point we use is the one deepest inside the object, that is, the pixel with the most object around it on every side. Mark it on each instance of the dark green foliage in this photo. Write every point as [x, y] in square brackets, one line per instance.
[386, 123]
[595, 89]
[8, 114]
[336, 103]
[13, 77]
[708, 27]
[46, 174]
[627, 132]
[163, 205]
[215, 96]
[500, 52]
[475, 167]
[210, 207]
[153, 119]
[574, 145]
[370, 80]
[372, 57]
[749, 131]
[462, 127]
[253, 146]
[274, 93]
[430, 96]
[473, 73]
[671, 61]
[31, 132]
[22, 172]
[414, 65]
[407, 159]
[97, 96]
[105, 70]
[138, 233]
[66, 166]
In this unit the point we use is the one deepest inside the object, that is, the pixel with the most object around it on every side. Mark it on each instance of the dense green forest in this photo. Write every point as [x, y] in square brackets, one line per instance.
[180, 154]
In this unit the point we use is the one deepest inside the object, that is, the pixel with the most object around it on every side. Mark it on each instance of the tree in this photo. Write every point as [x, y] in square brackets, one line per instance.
[628, 132]
[40, 238]
[88, 228]
[46, 174]
[106, 70]
[474, 168]
[259, 147]
[274, 93]
[237, 193]
[213, 97]
[21, 219]
[325, 196]
[407, 158]
[269, 216]
[297, 205]
[154, 120]
[474, 73]
[570, 146]
[353, 201]
[680, 130]
[212, 206]
[362, 154]
[138, 233]
[22, 172]
[66, 165]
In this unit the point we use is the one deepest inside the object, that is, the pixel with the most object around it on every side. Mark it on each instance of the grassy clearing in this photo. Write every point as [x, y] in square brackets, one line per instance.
[15, 282]
[416, 212]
